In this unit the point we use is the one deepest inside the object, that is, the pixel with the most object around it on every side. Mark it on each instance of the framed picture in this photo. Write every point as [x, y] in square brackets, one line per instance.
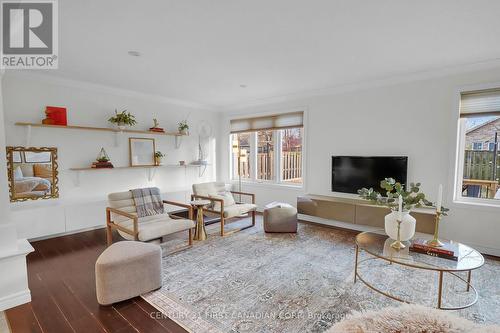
[37, 157]
[142, 151]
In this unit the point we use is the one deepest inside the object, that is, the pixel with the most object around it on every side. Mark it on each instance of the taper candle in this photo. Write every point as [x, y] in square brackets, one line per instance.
[440, 198]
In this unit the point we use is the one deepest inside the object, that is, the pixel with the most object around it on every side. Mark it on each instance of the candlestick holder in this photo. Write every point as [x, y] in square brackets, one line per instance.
[398, 244]
[435, 242]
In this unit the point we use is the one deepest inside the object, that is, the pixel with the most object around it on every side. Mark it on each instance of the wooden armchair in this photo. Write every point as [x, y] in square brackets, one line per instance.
[220, 208]
[122, 216]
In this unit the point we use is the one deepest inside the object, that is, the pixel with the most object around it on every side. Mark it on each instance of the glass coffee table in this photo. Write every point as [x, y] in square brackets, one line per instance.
[377, 245]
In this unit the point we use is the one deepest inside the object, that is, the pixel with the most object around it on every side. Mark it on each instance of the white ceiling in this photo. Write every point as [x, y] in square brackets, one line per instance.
[202, 50]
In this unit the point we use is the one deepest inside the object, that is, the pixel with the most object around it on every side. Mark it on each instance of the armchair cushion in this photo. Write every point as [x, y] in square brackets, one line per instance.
[227, 197]
[153, 228]
[238, 209]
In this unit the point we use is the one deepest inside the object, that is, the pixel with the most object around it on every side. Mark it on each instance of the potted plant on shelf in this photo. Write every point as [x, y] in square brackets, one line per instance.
[123, 119]
[183, 127]
[158, 156]
[411, 198]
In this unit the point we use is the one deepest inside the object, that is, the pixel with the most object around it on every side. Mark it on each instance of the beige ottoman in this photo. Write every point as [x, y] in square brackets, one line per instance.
[280, 217]
[127, 269]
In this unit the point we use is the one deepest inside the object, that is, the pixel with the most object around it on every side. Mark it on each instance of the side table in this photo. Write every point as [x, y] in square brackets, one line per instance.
[200, 232]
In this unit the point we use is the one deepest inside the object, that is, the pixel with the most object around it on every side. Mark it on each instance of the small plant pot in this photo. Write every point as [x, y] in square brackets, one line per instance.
[158, 161]
[121, 127]
[184, 132]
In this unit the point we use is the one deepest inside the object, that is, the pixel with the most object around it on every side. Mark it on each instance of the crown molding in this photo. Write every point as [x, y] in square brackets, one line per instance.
[101, 88]
[356, 86]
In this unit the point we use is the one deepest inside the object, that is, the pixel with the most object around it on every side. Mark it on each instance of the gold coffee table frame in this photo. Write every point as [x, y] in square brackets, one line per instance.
[371, 241]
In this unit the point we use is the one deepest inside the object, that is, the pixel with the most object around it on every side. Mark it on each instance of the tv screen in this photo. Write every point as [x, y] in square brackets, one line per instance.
[351, 173]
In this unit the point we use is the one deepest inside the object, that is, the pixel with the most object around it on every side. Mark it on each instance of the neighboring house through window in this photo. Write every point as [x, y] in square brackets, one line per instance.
[479, 159]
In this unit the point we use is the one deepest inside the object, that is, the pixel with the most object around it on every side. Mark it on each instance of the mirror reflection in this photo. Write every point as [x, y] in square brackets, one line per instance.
[32, 173]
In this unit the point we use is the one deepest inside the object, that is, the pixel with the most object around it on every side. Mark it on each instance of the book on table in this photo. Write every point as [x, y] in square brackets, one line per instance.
[447, 251]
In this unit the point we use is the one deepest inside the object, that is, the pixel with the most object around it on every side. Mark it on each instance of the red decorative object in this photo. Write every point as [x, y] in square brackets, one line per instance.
[57, 115]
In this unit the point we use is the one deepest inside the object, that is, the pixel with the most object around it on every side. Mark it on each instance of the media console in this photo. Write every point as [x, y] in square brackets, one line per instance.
[355, 213]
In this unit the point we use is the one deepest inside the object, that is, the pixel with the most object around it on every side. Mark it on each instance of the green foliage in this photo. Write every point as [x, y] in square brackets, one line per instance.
[411, 195]
[159, 154]
[123, 118]
[183, 125]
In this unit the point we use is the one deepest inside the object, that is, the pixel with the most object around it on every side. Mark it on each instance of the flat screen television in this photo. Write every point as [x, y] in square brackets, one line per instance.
[351, 173]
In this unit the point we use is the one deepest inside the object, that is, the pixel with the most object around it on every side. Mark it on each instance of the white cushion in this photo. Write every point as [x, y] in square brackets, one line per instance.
[18, 173]
[238, 209]
[155, 228]
[227, 197]
[206, 189]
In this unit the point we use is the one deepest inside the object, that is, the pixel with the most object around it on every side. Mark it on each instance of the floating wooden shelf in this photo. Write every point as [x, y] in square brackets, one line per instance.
[105, 129]
[139, 167]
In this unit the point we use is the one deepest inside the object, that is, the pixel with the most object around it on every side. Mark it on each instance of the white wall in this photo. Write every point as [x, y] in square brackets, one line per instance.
[417, 119]
[80, 207]
[4, 193]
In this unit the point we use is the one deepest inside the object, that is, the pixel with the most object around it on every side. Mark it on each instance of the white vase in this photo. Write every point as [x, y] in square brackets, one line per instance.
[407, 226]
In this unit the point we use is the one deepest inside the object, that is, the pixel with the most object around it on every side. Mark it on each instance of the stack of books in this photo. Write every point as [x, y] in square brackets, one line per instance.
[98, 165]
[447, 251]
[157, 129]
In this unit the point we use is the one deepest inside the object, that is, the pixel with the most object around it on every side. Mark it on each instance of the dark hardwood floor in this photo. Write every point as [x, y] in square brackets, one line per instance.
[62, 282]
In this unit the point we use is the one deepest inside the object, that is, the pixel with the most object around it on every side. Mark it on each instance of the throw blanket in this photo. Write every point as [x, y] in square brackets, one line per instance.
[148, 201]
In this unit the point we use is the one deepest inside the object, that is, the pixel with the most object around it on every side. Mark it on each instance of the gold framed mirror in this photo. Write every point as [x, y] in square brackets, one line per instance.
[32, 173]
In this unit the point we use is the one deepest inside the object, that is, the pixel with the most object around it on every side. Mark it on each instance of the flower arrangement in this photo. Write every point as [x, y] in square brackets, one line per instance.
[123, 118]
[412, 196]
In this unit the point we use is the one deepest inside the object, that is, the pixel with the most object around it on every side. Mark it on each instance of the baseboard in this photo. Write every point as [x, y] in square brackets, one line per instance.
[334, 223]
[16, 299]
[66, 233]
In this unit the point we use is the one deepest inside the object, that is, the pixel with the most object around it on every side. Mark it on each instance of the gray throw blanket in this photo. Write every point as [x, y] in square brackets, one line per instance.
[148, 201]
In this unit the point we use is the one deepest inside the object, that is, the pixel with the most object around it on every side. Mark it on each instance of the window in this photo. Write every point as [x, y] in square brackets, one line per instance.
[291, 155]
[274, 148]
[265, 155]
[241, 146]
[491, 146]
[479, 157]
[477, 146]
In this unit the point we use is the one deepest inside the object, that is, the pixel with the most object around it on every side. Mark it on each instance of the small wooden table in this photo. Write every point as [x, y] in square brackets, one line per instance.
[200, 232]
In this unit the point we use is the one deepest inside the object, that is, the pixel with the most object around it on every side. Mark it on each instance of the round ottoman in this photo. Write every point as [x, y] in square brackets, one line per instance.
[280, 217]
[127, 269]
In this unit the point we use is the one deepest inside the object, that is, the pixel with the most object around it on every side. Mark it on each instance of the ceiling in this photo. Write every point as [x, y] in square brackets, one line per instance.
[202, 51]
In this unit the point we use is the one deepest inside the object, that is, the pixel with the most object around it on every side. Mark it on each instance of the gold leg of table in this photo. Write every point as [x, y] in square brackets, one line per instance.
[200, 232]
[440, 289]
[356, 264]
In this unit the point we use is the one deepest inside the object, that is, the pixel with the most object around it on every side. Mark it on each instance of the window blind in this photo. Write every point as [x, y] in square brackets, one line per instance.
[272, 122]
[480, 103]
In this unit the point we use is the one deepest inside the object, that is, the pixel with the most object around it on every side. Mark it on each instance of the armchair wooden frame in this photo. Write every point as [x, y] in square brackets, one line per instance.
[221, 212]
[110, 224]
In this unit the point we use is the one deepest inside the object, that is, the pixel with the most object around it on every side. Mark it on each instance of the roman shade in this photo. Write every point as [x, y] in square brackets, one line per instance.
[480, 103]
[271, 122]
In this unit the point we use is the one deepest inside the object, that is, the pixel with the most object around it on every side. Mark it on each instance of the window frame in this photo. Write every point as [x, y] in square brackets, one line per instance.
[277, 146]
[460, 139]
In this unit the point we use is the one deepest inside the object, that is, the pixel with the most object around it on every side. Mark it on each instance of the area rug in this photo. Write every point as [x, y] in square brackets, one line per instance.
[256, 282]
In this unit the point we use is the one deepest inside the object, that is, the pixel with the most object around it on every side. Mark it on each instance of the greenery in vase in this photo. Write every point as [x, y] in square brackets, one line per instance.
[159, 154]
[123, 118]
[412, 197]
[183, 126]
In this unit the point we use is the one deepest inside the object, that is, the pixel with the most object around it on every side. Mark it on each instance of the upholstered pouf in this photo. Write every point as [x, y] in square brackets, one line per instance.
[280, 217]
[127, 269]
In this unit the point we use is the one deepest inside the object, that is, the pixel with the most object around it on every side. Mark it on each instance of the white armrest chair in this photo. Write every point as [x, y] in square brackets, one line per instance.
[208, 190]
[122, 216]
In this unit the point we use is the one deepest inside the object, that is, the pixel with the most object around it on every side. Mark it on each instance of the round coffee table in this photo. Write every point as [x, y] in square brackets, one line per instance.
[377, 245]
[200, 233]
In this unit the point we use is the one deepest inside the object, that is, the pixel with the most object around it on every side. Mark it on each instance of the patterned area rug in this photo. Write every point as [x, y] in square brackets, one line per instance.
[256, 282]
